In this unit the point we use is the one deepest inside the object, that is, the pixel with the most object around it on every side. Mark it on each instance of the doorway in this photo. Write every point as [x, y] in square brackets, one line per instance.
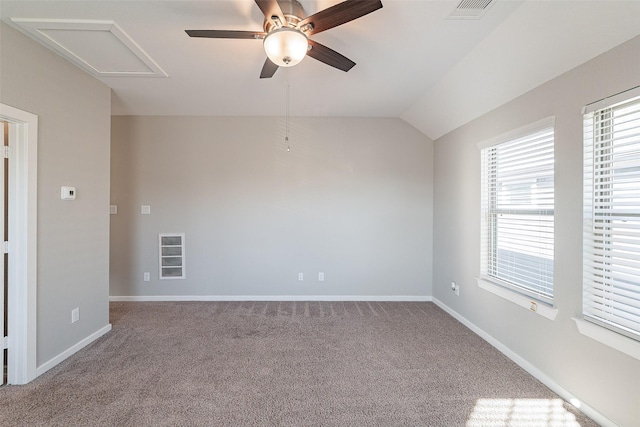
[18, 226]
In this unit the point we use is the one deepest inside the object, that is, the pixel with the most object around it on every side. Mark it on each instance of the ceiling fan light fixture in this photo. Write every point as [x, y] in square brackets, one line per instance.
[286, 47]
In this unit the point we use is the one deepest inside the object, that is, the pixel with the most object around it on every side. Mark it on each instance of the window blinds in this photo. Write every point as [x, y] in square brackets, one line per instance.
[518, 213]
[611, 267]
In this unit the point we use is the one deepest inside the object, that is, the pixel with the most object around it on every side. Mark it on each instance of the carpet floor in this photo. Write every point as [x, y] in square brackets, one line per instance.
[286, 364]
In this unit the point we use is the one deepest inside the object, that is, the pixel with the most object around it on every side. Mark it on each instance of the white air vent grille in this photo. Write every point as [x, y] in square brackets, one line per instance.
[172, 256]
[470, 9]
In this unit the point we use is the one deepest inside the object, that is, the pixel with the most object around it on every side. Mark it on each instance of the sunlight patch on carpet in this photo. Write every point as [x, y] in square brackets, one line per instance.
[521, 413]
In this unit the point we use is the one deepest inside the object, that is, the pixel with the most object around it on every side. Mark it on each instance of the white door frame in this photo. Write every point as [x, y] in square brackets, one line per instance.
[2, 269]
[23, 166]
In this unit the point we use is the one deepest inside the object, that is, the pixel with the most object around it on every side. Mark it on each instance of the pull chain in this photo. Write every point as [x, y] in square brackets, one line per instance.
[286, 137]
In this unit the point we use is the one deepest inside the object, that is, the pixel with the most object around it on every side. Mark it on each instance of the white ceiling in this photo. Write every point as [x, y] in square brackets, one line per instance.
[412, 62]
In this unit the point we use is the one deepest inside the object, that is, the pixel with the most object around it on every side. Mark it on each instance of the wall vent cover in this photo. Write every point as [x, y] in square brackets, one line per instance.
[100, 47]
[470, 9]
[172, 256]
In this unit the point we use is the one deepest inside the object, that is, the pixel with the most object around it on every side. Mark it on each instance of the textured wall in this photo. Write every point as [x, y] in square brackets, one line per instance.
[352, 199]
[604, 378]
[73, 112]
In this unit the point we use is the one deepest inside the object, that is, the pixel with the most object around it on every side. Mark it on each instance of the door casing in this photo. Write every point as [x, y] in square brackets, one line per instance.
[22, 215]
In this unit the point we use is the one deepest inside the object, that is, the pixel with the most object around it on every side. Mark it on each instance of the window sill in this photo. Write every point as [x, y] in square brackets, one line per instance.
[528, 303]
[612, 339]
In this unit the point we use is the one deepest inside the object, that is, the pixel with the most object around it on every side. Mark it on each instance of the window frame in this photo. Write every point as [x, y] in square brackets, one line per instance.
[522, 295]
[596, 115]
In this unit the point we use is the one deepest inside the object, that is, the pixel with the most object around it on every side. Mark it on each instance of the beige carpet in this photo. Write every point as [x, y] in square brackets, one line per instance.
[289, 364]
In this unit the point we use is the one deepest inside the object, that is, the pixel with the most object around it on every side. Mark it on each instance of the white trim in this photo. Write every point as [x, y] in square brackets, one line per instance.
[612, 339]
[400, 298]
[545, 123]
[589, 411]
[611, 100]
[530, 304]
[71, 350]
[23, 237]
[5, 246]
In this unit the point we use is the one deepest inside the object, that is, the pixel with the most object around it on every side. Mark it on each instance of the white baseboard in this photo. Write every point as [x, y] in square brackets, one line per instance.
[535, 372]
[403, 298]
[71, 350]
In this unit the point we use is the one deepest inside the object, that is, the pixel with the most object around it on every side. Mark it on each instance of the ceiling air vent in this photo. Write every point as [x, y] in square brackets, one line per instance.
[470, 9]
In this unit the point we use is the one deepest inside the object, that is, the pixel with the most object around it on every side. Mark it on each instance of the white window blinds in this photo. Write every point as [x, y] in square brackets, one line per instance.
[611, 276]
[518, 212]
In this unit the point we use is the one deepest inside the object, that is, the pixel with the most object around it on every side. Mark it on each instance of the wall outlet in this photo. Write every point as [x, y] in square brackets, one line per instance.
[300, 277]
[455, 288]
[145, 210]
[321, 277]
[146, 276]
[75, 315]
[68, 193]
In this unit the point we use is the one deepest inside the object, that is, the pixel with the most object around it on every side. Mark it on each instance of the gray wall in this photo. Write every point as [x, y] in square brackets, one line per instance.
[353, 199]
[73, 112]
[602, 377]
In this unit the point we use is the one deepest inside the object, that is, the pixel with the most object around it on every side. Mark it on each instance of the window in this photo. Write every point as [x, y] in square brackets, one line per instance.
[611, 266]
[517, 211]
[172, 256]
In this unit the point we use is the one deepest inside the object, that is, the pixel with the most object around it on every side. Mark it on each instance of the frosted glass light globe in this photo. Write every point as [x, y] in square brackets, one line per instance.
[286, 47]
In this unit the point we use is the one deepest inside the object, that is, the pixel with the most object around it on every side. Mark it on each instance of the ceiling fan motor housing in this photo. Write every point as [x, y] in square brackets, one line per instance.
[293, 12]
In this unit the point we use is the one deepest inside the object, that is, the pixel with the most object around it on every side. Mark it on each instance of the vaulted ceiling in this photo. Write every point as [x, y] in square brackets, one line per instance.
[413, 61]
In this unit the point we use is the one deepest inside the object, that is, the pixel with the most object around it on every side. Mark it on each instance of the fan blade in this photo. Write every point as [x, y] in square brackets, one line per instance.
[268, 69]
[339, 14]
[224, 34]
[329, 56]
[271, 8]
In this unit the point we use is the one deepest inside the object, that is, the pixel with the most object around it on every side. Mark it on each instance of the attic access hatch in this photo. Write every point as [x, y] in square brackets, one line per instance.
[100, 47]
[470, 9]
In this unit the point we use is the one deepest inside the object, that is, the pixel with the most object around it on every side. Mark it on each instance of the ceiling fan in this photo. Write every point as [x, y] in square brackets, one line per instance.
[287, 30]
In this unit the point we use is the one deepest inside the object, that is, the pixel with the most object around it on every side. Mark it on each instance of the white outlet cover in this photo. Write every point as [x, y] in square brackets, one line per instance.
[68, 193]
[113, 209]
[145, 210]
